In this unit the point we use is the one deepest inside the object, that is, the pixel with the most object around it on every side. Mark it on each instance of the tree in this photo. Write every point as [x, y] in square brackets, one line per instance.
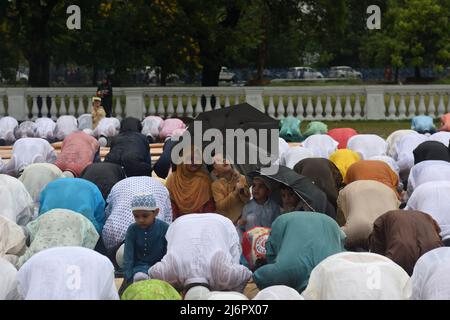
[223, 29]
[416, 33]
[32, 24]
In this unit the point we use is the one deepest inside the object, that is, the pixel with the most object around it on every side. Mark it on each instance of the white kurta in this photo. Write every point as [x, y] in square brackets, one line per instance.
[433, 198]
[202, 248]
[8, 281]
[431, 276]
[67, 273]
[27, 151]
[427, 171]
[16, 202]
[367, 145]
[295, 154]
[45, 128]
[322, 145]
[65, 125]
[7, 127]
[358, 276]
[107, 127]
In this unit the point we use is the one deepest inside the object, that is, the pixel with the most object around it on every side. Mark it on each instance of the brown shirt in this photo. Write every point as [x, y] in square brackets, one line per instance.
[227, 202]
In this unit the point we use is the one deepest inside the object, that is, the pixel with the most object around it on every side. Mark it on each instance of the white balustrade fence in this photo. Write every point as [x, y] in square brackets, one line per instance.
[309, 103]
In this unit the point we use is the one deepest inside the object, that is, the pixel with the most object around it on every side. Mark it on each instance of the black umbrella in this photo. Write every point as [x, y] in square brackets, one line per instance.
[245, 117]
[314, 198]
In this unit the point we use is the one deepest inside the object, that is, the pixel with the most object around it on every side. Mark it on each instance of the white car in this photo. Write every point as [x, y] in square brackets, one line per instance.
[344, 72]
[226, 75]
[20, 77]
[304, 73]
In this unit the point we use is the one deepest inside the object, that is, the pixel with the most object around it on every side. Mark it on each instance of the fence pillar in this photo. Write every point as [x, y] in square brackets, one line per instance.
[17, 106]
[253, 96]
[375, 107]
[134, 103]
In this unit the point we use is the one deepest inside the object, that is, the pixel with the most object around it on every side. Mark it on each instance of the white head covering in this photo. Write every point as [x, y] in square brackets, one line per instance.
[367, 145]
[202, 248]
[431, 276]
[36, 176]
[152, 125]
[203, 293]
[405, 147]
[278, 293]
[427, 171]
[119, 255]
[441, 136]
[322, 145]
[85, 121]
[45, 128]
[295, 154]
[107, 127]
[283, 146]
[7, 127]
[12, 240]
[65, 125]
[226, 295]
[358, 276]
[197, 293]
[16, 202]
[392, 140]
[433, 198]
[27, 151]
[68, 174]
[8, 281]
[67, 273]
[26, 129]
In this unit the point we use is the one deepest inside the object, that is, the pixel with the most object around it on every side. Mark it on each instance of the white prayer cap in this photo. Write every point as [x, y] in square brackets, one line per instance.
[278, 293]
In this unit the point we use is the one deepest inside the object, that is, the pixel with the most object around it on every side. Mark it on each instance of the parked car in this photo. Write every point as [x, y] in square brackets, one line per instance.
[151, 75]
[304, 73]
[20, 77]
[226, 75]
[344, 72]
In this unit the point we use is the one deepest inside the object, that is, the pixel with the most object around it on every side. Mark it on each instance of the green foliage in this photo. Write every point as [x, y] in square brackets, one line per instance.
[415, 33]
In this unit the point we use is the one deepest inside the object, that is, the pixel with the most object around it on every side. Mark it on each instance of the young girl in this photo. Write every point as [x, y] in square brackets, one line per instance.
[230, 190]
[145, 242]
[98, 113]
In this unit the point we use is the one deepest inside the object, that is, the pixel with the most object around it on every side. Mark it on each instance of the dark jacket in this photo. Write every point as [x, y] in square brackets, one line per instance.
[104, 175]
[131, 151]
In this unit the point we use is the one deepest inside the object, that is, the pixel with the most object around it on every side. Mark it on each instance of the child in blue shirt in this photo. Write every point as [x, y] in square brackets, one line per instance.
[145, 241]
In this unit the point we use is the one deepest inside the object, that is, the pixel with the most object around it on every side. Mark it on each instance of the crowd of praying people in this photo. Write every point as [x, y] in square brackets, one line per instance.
[343, 208]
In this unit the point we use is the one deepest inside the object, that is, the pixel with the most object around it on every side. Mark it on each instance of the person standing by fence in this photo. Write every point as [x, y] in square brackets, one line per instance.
[105, 92]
